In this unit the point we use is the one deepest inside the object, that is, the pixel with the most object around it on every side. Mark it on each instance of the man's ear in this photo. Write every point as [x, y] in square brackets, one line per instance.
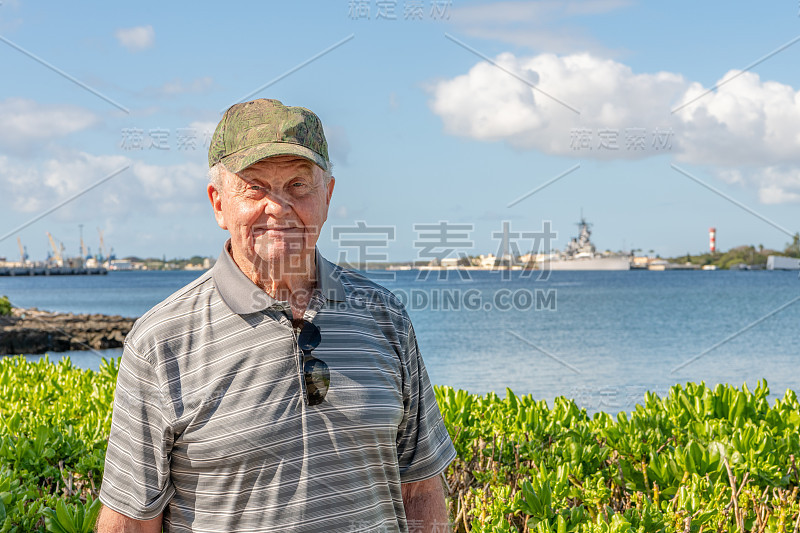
[215, 196]
[331, 183]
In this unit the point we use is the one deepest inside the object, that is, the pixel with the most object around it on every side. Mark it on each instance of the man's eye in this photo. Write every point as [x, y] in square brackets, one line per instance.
[256, 187]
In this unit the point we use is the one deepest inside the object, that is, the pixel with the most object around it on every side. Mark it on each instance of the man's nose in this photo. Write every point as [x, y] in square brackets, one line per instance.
[276, 204]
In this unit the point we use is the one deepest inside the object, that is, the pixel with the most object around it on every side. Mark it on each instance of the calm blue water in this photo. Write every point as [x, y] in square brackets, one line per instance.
[602, 338]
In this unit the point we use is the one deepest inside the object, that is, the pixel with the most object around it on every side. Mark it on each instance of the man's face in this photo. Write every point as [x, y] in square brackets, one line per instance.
[274, 211]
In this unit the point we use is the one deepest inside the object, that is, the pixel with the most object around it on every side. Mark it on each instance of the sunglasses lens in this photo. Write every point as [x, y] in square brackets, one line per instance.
[318, 378]
[309, 337]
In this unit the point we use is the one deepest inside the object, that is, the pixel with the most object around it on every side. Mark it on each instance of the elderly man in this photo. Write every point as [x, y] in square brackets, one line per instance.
[278, 391]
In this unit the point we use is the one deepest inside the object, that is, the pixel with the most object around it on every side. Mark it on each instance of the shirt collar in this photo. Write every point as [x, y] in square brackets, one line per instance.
[243, 296]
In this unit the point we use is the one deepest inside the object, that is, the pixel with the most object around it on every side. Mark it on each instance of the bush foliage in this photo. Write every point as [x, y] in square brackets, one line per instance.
[699, 459]
[54, 422]
[5, 306]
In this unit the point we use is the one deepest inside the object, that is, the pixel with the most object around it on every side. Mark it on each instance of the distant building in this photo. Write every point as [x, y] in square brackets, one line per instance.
[120, 264]
[449, 262]
[779, 262]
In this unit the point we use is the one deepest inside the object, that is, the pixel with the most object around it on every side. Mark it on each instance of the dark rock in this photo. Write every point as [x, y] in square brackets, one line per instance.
[34, 331]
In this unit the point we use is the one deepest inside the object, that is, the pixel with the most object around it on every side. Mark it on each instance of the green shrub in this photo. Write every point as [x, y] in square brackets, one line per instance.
[670, 465]
[5, 306]
[54, 422]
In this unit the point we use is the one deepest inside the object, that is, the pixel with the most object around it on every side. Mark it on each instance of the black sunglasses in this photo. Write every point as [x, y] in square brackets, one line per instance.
[316, 372]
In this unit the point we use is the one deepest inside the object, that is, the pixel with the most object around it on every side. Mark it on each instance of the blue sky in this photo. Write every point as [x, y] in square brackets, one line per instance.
[448, 114]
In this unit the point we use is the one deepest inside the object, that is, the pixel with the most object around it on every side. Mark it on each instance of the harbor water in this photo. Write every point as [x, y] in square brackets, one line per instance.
[602, 338]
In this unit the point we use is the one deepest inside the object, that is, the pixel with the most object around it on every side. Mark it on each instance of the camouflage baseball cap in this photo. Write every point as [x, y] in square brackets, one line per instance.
[252, 131]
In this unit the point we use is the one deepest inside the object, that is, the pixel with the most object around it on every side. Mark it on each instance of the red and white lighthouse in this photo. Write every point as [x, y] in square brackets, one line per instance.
[712, 239]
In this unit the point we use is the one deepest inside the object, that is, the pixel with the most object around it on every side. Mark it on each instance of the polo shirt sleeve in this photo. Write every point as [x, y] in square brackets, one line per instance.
[136, 481]
[424, 448]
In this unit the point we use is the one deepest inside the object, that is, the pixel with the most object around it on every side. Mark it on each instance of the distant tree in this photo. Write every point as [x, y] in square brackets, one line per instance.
[793, 249]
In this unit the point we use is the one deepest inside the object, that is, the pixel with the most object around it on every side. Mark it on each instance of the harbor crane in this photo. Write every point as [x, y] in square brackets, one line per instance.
[84, 250]
[102, 249]
[23, 252]
[56, 252]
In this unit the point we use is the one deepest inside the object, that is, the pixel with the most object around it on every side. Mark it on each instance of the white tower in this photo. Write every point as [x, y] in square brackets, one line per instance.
[712, 239]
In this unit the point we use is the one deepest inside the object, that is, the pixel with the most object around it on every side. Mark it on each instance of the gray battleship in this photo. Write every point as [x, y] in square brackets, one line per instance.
[581, 254]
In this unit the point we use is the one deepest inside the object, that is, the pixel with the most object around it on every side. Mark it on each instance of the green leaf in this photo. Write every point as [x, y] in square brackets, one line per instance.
[51, 522]
[79, 525]
[561, 525]
[91, 514]
[65, 519]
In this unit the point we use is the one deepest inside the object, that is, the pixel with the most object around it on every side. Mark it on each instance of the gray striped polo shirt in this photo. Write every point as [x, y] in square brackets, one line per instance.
[210, 423]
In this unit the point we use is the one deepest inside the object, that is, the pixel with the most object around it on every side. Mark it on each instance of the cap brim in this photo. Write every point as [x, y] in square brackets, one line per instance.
[242, 159]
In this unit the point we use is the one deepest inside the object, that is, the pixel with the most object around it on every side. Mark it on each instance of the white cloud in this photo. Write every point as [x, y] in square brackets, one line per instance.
[746, 121]
[26, 122]
[178, 87]
[346, 212]
[143, 188]
[562, 40]
[527, 11]
[204, 126]
[32, 188]
[772, 194]
[747, 130]
[137, 38]
[204, 131]
[489, 104]
[539, 25]
[170, 188]
[778, 185]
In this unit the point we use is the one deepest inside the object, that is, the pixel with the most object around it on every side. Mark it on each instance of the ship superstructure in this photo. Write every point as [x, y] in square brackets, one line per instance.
[581, 254]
